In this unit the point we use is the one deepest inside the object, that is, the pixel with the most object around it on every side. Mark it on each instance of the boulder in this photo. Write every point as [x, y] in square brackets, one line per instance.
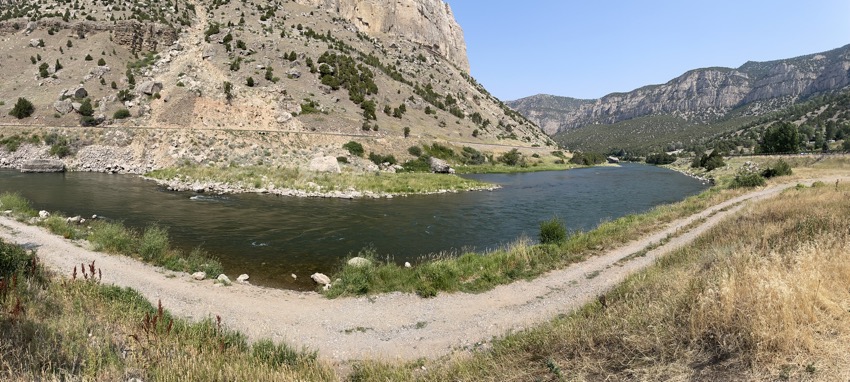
[325, 164]
[76, 106]
[294, 73]
[43, 214]
[43, 165]
[321, 278]
[359, 262]
[34, 43]
[294, 276]
[243, 278]
[63, 107]
[78, 92]
[208, 53]
[75, 219]
[30, 27]
[407, 264]
[99, 71]
[150, 87]
[222, 278]
[199, 275]
[440, 166]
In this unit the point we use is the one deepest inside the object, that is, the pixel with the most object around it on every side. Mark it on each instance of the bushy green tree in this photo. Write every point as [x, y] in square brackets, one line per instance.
[511, 158]
[782, 137]
[86, 108]
[659, 159]
[354, 148]
[22, 109]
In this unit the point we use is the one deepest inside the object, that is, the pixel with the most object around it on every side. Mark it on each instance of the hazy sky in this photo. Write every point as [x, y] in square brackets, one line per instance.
[586, 49]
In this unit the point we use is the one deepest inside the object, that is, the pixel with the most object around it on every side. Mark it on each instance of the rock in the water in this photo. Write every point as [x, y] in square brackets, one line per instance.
[199, 275]
[43, 165]
[243, 278]
[321, 278]
[358, 262]
[43, 214]
[150, 87]
[440, 166]
[294, 277]
[325, 164]
[75, 219]
[222, 278]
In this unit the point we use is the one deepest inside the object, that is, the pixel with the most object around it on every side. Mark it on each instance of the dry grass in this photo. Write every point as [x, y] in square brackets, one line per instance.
[763, 296]
[78, 329]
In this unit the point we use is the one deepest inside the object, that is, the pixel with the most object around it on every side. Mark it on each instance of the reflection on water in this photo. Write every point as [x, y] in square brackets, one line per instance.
[270, 237]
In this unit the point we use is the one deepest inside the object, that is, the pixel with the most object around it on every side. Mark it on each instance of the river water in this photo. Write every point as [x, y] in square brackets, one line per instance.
[271, 237]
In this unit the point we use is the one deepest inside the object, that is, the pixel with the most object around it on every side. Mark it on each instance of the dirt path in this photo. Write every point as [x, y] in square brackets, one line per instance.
[390, 326]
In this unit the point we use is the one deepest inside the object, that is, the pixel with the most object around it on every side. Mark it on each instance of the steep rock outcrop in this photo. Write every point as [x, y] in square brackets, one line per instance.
[701, 94]
[427, 22]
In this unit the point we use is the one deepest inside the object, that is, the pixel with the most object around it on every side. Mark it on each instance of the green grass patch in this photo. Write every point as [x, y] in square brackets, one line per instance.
[19, 206]
[253, 177]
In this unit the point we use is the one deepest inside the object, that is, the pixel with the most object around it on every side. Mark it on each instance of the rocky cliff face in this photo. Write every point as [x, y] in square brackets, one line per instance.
[427, 22]
[703, 94]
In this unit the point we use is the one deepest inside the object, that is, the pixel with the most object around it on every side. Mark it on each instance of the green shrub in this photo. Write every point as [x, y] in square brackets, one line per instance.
[421, 164]
[112, 237]
[153, 246]
[780, 168]
[121, 114]
[88, 57]
[13, 260]
[342, 159]
[553, 231]
[17, 204]
[22, 109]
[747, 179]
[88, 121]
[86, 108]
[379, 159]
[354, 148]
[415, 151]
[60, 148]
[511, 158]
[439, 151]
[471, 156]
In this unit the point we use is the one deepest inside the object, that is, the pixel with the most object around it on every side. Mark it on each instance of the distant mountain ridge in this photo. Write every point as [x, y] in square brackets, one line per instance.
[700, 95]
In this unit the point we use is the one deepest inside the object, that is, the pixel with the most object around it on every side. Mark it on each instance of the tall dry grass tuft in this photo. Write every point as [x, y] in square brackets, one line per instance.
[767, 305]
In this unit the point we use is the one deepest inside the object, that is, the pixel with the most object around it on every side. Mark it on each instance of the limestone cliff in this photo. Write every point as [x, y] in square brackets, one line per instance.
[703, 94]
[427, 22]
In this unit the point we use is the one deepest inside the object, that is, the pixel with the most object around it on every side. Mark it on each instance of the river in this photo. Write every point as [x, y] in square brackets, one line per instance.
[270, 237]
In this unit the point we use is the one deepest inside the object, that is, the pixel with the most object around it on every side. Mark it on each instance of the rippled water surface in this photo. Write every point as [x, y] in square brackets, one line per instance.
[270, 237]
